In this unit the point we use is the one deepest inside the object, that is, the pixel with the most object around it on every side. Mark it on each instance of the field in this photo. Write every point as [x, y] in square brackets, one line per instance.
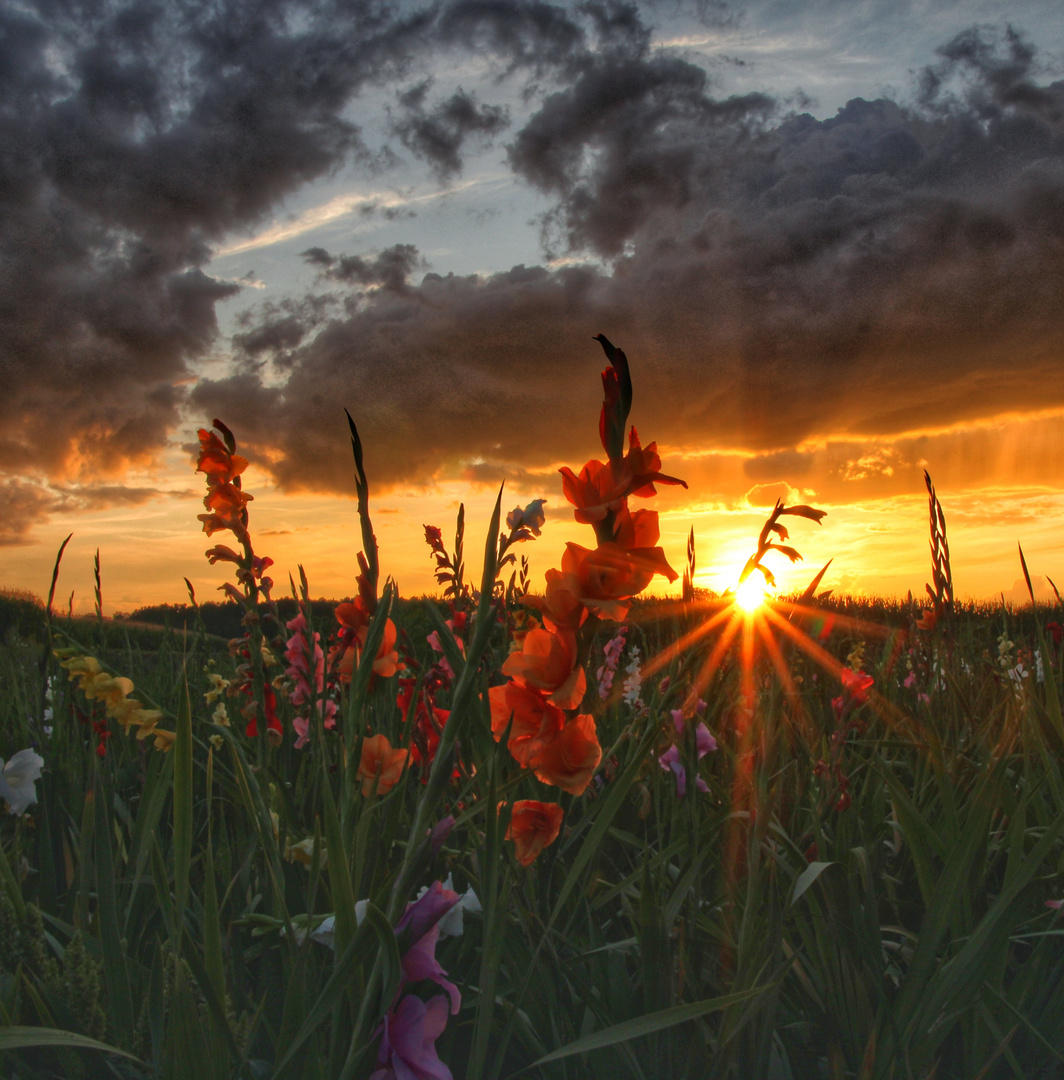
[557, 832]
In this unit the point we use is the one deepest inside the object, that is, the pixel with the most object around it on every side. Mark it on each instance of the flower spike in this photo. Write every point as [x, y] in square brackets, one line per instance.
[617, 403]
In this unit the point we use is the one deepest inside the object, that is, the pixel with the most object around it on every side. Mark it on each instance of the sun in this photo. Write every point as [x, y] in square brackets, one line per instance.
[750, 595]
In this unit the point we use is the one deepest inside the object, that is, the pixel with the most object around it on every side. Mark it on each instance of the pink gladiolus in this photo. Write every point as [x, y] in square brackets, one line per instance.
[408, 1044]
[704, 741]
[670, 760]
[307, 688]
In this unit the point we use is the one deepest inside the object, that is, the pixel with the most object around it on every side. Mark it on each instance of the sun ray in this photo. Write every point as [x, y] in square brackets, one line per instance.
[656, 663]
[845, 622]
[884, 708]
[712, 662]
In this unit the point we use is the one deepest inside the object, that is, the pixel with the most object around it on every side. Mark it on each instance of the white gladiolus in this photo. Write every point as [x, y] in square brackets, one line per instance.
[17, 779]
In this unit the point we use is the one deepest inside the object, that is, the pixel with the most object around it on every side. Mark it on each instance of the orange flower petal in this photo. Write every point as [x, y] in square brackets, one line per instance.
[534, 825]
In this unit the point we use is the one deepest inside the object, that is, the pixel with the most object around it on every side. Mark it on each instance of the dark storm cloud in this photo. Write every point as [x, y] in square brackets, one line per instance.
[389, 270]
[137, 136]
[134, 137]
[775, 278]
[437, 135]
[522, 34]
[653, 134]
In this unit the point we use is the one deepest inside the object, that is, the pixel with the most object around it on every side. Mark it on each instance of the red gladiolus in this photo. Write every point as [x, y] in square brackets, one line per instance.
[534, 825]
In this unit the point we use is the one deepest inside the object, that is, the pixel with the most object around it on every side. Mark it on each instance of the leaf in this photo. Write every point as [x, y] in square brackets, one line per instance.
[1026, 574]
[812, 586]
[806, 878]
[804, 511]
[1056, 591]
[17, 1038]
[647, 1025]
[116, 975]
[183, 825]
[374, 925]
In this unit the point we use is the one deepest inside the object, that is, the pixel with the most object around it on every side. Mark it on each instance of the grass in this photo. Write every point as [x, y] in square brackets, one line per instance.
[753, 930]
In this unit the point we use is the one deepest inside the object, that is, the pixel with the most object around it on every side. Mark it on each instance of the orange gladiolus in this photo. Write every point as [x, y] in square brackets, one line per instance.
[547, 661]
[602, 487]
[636, 529]
[569, 759]
[607, 578]
[533, 826]
[353, 617]
[535, 719]
[595, 492]
[561, 604]
[216, 461]
[381, 764]
[386, 663]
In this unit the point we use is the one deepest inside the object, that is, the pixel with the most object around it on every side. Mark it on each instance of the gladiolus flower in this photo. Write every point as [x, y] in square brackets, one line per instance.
[215, 459]
[547, 661]
[422, 919]
[534, 719]
[533, 826]
[164, 740]
[386, 663]
[561, 605]
[857, 684]
[220, 552]
[595, 492]
[704, 744]
[601, 488]
[568, 759]
[408, 1044]
[527, 522]
[608, 577]
[381, 765]
[18, 779]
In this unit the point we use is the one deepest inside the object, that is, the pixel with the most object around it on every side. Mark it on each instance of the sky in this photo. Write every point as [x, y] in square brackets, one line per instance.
[829, 236]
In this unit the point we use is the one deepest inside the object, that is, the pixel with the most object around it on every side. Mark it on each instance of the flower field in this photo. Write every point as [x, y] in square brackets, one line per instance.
[552, 829]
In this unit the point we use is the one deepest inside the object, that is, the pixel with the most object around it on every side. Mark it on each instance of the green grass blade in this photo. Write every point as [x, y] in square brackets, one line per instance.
[157, 788]
[114, 956]
[183, 794]
[375, 927]
[647, 1025]
[19, 1038]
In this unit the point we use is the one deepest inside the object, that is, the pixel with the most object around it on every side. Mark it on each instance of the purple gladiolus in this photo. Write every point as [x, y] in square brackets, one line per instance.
[408, 1044]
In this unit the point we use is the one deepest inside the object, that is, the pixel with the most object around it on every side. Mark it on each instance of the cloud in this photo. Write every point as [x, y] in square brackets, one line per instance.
[24, 503]
[136, 136]
[805, 293]
[846, 282]
[389, 270]
[770, 494]
[438, 135]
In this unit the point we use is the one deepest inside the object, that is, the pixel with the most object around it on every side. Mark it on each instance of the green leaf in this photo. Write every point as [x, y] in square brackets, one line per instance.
[17, 1038]
[182, 752]
[647, 1025]
[807, 877]
[116, 974]
[374, 925]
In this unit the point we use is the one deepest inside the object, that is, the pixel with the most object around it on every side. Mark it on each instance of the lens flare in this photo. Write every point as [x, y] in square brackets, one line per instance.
[750, 595]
